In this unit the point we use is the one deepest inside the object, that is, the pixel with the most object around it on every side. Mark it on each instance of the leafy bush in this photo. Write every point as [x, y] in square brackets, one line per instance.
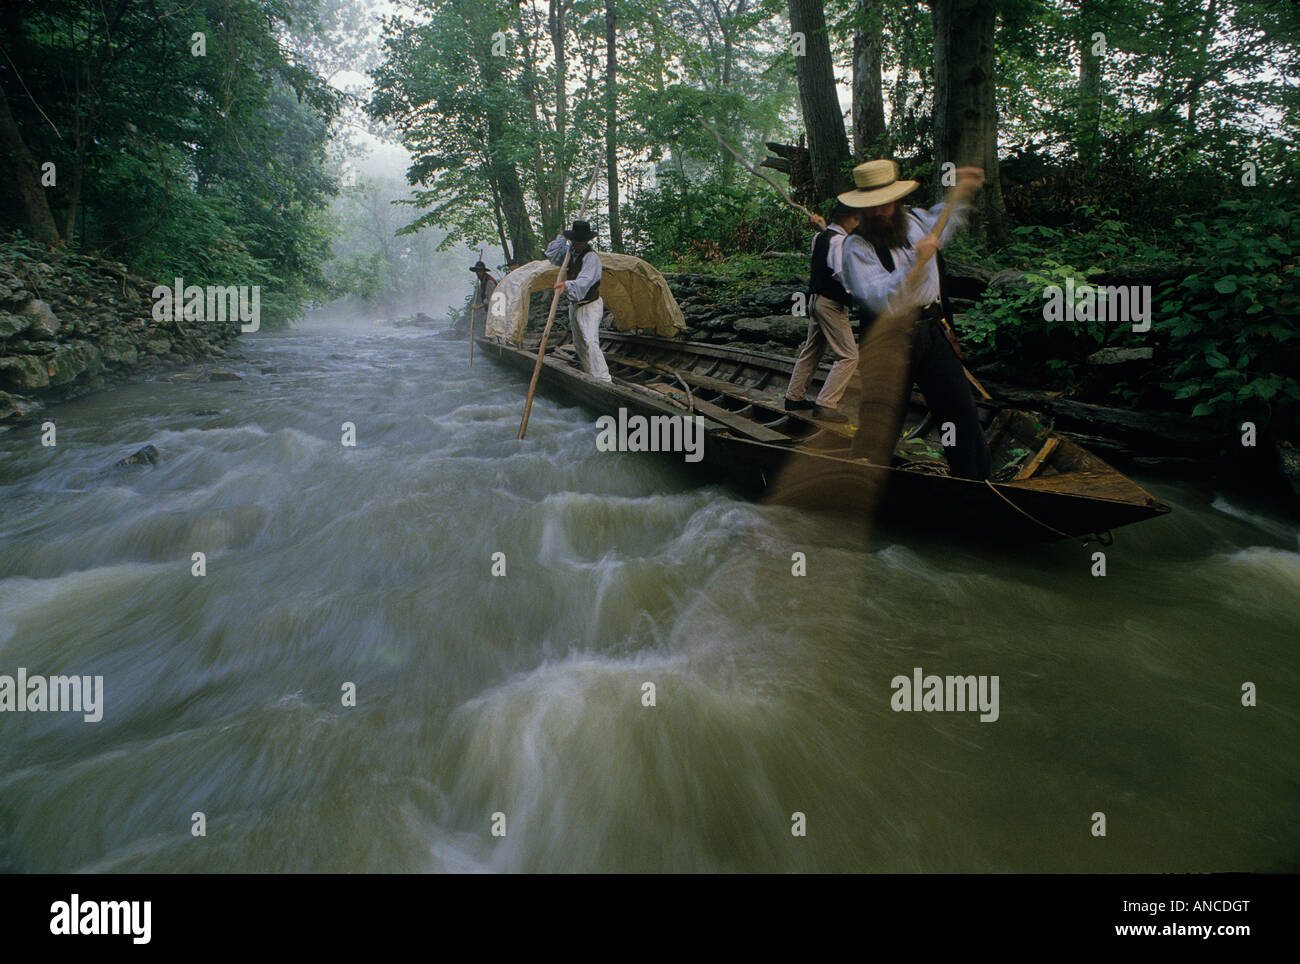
[1226, 334]
[687, 223]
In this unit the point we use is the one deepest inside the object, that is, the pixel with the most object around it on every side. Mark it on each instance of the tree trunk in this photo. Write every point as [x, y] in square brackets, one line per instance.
[611, 127]
[869, 135]
[1089, 116]
[1202, 61]
[965, 113]
[24, 174]
[501, 227]
[542, 185]
[513, 206]
[515, 210]
[827, 143]
[900, 130]
[561, 104]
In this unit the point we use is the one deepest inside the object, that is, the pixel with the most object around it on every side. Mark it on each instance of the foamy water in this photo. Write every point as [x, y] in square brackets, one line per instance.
[523, 695]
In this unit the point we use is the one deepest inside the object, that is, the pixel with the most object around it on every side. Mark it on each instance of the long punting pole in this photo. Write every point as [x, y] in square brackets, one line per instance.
[555, 300]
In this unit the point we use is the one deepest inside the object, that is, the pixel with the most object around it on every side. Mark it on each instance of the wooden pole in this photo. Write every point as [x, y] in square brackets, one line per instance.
[471, 316]
[471, 336]
[555, 300]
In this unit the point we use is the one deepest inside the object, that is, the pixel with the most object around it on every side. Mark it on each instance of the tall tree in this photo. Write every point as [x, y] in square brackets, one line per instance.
[24, 175]
[965, 109]
[557, 9]
[870, 137]
[611, 126]
[542, 187]
[1090, 66]
[828, 147]
[461, 117]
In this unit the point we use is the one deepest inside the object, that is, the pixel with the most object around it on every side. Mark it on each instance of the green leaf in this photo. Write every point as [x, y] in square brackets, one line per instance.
[1226, 285]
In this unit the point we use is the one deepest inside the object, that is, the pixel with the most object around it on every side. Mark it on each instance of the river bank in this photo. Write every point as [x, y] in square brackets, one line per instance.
[71, 325]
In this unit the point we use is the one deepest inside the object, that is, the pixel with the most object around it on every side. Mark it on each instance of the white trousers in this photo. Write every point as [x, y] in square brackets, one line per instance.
[584, 322]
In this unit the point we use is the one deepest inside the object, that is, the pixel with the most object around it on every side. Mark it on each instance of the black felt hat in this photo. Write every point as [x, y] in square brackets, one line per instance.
[479, 266]
[581, 231]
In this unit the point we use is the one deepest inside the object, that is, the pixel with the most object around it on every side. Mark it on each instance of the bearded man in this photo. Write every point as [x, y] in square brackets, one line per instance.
[876, 261]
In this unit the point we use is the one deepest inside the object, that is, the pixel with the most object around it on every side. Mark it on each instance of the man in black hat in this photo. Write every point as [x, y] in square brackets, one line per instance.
[483, 296]
[582, 285]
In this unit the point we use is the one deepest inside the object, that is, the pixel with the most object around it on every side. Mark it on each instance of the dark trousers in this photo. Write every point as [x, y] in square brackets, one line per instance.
[942, 380]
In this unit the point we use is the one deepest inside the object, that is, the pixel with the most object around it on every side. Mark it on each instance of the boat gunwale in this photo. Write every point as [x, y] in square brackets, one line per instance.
[1141, 500]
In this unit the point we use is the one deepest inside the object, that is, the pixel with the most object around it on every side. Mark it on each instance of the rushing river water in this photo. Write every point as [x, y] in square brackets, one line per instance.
[516, 702]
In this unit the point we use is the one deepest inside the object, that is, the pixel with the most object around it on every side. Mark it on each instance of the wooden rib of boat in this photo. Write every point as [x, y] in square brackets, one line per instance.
[1044, 487]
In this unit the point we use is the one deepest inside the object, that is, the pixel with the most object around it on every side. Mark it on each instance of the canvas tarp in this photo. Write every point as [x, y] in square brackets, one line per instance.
[633, 290]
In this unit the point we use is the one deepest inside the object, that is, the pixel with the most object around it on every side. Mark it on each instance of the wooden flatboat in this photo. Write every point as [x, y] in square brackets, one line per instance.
[1044, 487]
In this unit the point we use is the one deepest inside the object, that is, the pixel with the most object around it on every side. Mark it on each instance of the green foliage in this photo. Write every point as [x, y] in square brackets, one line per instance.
[1233, 325]
[207, 167]
[1225, 334]
[685, 223]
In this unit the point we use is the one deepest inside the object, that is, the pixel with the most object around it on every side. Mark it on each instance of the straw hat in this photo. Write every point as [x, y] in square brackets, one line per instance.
[877, 183]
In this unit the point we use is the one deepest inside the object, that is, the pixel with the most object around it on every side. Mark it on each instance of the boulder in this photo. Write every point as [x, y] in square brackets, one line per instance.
[145, 456]
[41, 321]
[719, 323]
[1008, 279]
[965, 279]
[11, 325]
[24, 373]
[118, 350]
[773, 299]
[221, 375]
[782, 329]
[16, 407]
[67, 364]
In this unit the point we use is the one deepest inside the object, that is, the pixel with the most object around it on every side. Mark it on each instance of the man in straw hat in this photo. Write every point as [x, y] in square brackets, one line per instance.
[582, 286]
[829, 323]
[876, 262]
[486, 285]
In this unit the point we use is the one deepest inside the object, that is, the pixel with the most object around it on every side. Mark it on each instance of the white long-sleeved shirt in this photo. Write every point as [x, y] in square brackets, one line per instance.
[588, 274]
[875, 288]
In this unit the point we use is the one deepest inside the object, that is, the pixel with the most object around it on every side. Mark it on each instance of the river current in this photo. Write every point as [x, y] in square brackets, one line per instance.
[503, 722]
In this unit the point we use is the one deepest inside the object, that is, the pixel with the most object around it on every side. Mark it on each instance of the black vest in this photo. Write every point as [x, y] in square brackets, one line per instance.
[823, 281]
[575, 265]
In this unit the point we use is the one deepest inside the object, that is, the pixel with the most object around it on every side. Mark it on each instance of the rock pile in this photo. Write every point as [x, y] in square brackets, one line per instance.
[70, 325]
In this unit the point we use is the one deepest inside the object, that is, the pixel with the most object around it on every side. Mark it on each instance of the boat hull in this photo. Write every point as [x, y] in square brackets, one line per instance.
[818, 473]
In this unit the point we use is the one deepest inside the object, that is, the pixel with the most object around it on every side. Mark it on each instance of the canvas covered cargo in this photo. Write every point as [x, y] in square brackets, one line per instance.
[632, 289]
